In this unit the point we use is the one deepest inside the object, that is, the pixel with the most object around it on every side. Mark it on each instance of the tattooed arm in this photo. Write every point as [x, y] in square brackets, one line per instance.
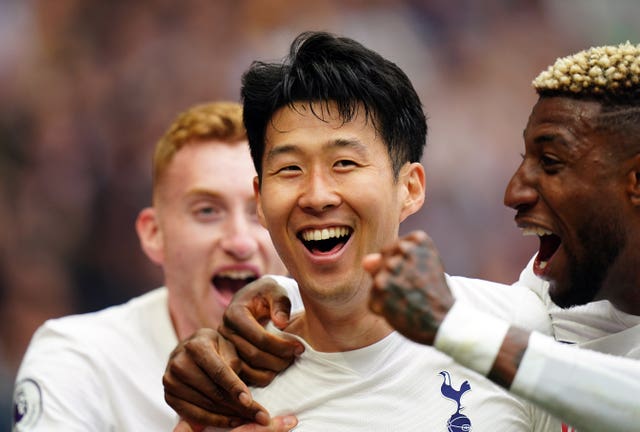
[590, 390]
[410, 290]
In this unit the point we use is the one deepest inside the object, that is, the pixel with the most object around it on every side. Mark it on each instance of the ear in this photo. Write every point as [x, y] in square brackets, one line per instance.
[256, 193]
[633, 180]
[413, 183]
[150, 234]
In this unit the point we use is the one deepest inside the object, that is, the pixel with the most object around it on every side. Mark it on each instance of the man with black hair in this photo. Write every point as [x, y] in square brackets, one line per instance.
[336, 134]
[580, 147]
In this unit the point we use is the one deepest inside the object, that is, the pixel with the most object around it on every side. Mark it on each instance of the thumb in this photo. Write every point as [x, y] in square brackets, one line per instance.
[284, 423]
[183, 426]
[372, 263]
[280, 310]
[275, 290]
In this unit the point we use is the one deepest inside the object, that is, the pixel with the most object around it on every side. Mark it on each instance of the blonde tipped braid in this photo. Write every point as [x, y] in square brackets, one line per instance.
[595, 71]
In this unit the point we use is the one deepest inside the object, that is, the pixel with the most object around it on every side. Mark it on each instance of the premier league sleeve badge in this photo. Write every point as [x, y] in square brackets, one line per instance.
[27, 405]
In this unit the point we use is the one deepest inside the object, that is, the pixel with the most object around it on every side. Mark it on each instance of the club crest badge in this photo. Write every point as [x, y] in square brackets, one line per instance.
[27, 404]
[458, 422]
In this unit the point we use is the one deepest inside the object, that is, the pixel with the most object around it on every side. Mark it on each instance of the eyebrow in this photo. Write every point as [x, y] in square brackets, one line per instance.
[351, 143]
[203, 193]
[551, 138]
[546, 138]
[283, 149]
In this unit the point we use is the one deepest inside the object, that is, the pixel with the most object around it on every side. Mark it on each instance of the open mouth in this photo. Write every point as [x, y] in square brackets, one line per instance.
[549, 244]
[325, 240]
[231, 281]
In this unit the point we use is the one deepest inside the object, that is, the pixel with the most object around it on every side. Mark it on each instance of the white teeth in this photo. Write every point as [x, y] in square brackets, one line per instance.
[237, 274]
[325, 233]
[537, 231]
[542, 265]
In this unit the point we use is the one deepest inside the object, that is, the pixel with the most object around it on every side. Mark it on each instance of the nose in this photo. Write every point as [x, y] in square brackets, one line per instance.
[520, 192]
[240, 241]
[319, 193]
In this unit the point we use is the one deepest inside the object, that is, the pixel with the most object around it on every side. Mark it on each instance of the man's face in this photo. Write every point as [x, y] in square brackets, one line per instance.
[569, 191]
[212, 241]
[328, 197]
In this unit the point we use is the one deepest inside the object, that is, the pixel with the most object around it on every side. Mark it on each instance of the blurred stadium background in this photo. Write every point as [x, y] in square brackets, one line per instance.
[87, 86]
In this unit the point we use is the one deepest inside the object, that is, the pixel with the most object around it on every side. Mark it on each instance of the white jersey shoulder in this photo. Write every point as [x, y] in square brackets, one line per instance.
[100, 371]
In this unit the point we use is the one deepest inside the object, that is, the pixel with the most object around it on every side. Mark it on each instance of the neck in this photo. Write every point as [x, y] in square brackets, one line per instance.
[622, 284]
[187, 317]
[339, 328]
[627, 300]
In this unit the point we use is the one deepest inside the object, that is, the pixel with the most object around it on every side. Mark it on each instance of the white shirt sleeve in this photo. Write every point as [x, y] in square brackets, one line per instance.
[591, 391]
[57, 388]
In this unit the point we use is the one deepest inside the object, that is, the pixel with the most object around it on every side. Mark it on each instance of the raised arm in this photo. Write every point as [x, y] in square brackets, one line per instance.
[590, 390]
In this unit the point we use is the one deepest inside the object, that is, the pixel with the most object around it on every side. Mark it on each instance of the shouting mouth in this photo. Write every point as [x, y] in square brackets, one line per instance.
[230, 281]
[549, 244]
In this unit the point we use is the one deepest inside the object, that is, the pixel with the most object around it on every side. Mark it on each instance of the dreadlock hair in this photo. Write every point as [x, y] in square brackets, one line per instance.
[609, 75]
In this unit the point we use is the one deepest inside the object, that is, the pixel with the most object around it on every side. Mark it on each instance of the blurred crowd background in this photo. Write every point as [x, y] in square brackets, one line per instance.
[88, 86]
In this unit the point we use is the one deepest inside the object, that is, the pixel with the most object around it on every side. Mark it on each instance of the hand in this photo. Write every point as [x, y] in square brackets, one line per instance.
[263, 354]
[201, 384]
[409, 287]
[277, 424]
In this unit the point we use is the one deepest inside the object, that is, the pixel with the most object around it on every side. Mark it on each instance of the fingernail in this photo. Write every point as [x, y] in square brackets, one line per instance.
[289, 421]
[299, 350]
[244, 398]
[262, 418]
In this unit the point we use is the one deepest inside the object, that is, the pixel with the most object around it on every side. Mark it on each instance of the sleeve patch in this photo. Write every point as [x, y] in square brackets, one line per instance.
[27, 404]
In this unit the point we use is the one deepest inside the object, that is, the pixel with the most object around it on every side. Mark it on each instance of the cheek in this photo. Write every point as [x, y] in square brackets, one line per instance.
[275, 207]
[191, 241]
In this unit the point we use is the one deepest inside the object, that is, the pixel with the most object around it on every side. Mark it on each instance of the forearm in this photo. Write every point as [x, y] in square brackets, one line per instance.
[589, 390]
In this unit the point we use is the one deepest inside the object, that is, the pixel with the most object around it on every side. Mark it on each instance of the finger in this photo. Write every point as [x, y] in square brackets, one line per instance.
[280, 312]
[394, 264]
[417, 236]
[378, 293]
[278, 424]
[185, 379]
[205, 394]
[218, 373]
[280, 307]
[258, 297]
[272, 358]
[256, 345]
[256, 377]
[183, 426]
[193, 413]
[187, 394]
[418, 243]
[372, 263]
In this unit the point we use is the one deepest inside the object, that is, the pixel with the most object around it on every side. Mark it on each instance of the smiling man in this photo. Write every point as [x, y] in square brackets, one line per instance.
[336, 134]
[103, 371]
[578, 189]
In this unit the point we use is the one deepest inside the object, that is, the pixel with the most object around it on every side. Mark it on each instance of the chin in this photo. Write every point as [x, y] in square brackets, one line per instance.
[571, 295]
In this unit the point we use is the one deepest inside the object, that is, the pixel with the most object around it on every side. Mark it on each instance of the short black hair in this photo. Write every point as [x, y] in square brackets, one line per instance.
[322, 67]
